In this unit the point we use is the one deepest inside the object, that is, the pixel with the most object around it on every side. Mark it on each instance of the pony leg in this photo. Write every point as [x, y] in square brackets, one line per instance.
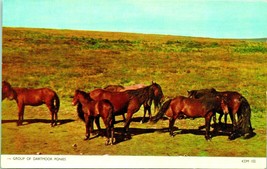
[91, 128]
[52, 113]
[112, 136]
[225, 121]
[88, 122]
[111, 124]
[220, 119]
[21, 108]
[108, 130]
[146, 108]
[149, 112]
[56, 118]
[207, 124]
[143, 119]
[235, 134]
[123, 116]
[171, 124]
[214, 122]
[98, 125]
[127, 124]
[235, 125]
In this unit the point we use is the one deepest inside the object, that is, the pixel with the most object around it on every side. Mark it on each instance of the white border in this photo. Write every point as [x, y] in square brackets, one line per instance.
[84, 161]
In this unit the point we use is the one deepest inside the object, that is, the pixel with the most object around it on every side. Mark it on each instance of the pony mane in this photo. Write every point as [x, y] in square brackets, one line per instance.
[144, 94]
[84, 94]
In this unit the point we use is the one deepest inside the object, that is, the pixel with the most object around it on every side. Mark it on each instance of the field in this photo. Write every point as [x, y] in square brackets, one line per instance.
[65, 60]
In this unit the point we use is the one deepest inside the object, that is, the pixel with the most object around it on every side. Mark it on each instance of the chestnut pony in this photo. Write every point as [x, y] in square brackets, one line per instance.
[93, 110]
[158, 96]
[128, 102]
[190, 108]
[34, 97]
[237, 104]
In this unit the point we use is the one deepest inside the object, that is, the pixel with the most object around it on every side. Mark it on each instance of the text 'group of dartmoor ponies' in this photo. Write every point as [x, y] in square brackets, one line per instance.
[116, 100]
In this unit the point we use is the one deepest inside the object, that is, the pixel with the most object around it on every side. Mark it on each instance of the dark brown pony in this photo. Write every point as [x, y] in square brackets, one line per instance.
[35, 97]
[158, 96]
[237, 104]
[128, 101]
[190, 108]
[7, 91]
[196, 94]
[93, 110]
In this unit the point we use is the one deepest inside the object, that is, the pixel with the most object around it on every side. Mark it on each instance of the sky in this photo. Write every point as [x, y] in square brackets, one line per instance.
[201, 18]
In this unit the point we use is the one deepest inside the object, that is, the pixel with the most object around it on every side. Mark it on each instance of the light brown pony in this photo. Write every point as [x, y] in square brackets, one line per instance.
[93, 110]
[183, 107]
[34, 97]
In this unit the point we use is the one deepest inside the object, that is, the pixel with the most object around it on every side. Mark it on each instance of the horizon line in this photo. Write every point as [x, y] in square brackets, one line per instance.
[145, 33]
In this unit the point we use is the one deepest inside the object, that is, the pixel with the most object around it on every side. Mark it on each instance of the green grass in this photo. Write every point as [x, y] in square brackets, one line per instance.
[67, 60]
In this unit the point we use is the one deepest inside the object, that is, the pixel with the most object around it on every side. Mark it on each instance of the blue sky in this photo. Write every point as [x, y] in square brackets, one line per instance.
[202, 18]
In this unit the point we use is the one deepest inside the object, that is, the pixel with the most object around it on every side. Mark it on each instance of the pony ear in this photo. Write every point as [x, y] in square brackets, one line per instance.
[152, 82]
[188, 91]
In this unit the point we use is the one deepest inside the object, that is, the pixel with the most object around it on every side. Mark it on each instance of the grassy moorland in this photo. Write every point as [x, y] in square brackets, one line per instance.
[67, 60]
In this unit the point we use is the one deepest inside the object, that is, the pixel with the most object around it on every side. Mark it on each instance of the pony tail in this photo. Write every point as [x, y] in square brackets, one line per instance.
[161, 112]
[245, 115]
[110, 113]
[57, 103]
[80, 111]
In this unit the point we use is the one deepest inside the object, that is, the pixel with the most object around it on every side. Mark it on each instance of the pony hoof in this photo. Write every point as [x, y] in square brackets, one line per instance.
[113, 141]
[232, 137]
[19, 123]
[208, 138]
[86, 138]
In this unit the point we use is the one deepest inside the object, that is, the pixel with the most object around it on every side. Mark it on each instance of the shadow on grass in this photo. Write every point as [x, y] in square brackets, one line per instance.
[118, 133]
[219, 131]
[31, 121]
[138, 119]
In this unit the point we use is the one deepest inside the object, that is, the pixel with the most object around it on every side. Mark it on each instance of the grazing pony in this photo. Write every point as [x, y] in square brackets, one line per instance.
[158, 96]
[196, 94]
[34, 97]
[237, 104]
[183, 107]
[128, 102]
[93, 110]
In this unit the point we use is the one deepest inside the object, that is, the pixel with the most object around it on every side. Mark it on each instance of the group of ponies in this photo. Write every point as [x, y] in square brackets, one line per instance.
[206, 103]
[115, 100]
